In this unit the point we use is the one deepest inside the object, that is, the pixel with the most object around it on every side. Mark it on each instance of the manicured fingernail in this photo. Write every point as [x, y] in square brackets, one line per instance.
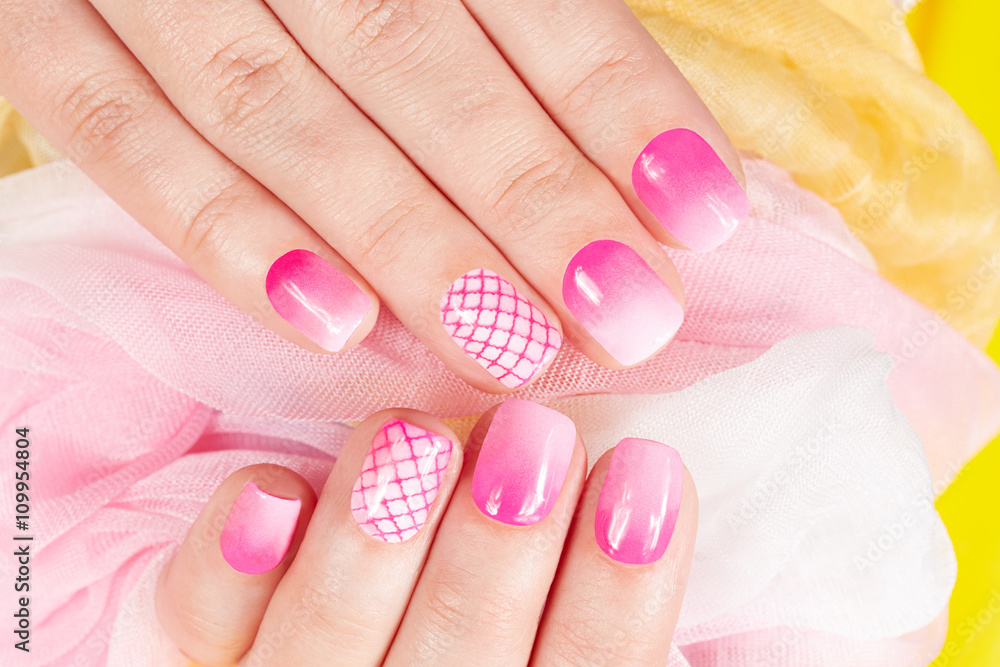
[316, 298]
[523, 462]
[399, 481]
[685, 185]
[639, 502]
[620, 301]
[498, 327]
[258, 530]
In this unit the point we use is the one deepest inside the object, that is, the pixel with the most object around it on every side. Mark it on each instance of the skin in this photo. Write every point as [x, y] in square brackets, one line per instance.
[466, 589]
[406, 143]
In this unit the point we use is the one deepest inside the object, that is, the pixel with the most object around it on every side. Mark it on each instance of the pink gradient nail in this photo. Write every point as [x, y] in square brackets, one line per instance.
[639, 502]
[498, 327]
[316, 298]
[258, 530]
[523, 462]
[621, 301]
[399, 480]
[685, 185]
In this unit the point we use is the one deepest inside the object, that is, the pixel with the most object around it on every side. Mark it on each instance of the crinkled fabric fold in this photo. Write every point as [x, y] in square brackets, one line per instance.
[809, 440]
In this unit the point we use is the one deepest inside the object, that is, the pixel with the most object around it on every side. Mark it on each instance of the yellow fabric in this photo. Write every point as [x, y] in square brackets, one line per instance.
[832, 91]
[21, 146]
[13, 155]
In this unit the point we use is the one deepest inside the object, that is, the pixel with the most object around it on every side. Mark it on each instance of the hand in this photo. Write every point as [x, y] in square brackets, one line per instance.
[518, 560]
[497, 172]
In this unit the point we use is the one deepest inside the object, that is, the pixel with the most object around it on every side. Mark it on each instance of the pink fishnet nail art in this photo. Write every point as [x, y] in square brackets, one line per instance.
[498, 327]
[399, 481]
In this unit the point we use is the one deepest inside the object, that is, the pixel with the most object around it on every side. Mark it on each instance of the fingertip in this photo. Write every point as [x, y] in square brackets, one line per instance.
[327, 305]
[274, 479]
[624, 572]
[527, 462]
[691, 186]
[394, 477]
[258, 530]
[212, 594]
[367, 323]
[371, 424]
[507, 330]
[640, 500]
[626, 300]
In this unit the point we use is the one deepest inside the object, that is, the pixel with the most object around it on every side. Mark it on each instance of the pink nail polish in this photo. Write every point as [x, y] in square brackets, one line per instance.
[639, 502]
[498, 327]
[685, 185]
[258, 530]
[316, 298]
[523, 462]
[620, 301]
[399, 481]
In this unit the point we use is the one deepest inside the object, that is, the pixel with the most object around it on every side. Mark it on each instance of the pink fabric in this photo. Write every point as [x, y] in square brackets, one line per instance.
[143, 388]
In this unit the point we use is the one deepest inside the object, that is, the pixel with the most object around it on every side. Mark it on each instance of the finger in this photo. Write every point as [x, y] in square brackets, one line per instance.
[97, 105]
[621, 582]
[489, 571]
[343, 597]
[212, 594]
[245, 84]
[431, 80]
[617, 95]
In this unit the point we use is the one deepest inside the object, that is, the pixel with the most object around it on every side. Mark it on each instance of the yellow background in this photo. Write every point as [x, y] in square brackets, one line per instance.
[960, 43]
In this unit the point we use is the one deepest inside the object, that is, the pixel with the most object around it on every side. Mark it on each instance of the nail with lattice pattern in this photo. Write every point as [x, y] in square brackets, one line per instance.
[499, 327]
[399, 480]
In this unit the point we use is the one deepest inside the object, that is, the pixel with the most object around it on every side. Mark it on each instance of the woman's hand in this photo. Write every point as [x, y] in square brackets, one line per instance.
[497, 172]
[410, 557]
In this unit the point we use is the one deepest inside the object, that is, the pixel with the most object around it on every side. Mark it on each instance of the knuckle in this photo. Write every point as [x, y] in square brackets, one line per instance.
[572, 647]
[204, 631]
[384, 34]
[211, 211]
[247, 78]
[389, 236]
[23, 23]
[585, 637]
[447, 604]
[326, 622]
[102, 113]
[316, 618]
[610, 72]
[531, 189]
[476, 102]
[452, 612]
